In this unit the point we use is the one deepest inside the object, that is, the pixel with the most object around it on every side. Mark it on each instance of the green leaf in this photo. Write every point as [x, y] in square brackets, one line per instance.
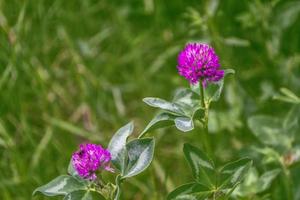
[195, 88]
[71, 170]
[84, 195]
[269, 130]
[228, 71]
[163, 104]
[185, 95]
[287, 16]
[253, 184]
[291, 123]
[61, 185]
[187, 101]
[266, 179]
[117, 146]
[203, 168]
[248, 186]
[140, 155]
[183, 110]
[198, 113]
[184, 124]
[159, 121]
[290, 94]
[233, 173]
[190, 191]
[213, 90]
[270, 155]
[287, 96]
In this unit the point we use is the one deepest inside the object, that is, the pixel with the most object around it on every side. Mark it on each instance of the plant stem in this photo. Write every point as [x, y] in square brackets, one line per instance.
[206, 139]
[142, 135]
[118, 188]
[287, 180]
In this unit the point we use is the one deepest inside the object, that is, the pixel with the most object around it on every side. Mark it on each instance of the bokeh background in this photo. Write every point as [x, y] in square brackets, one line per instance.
[76, 71]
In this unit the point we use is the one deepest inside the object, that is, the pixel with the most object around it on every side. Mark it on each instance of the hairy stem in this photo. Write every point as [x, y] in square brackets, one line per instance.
[118, 188]
[206, 139]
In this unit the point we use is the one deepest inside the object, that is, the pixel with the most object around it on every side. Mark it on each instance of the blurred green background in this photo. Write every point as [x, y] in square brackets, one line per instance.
[76, 71]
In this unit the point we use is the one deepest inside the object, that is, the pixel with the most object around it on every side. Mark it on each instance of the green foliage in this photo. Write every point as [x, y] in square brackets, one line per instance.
[269, 130]
[279, 134]
[282, 148]
[210, 182]
[203, 168]
[140, 155]
[117, 147]
[255, 184]
[287, 96]
[130, 158]
[181, 112]
[62, 185]
[185, 108]
[72, 188]
[213, 91]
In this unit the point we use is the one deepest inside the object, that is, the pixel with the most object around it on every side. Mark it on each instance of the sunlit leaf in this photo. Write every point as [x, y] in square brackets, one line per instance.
[187, 100]
[163, 104]
[140, 155]
[159, 121]
[184, 124]
[184, 100]
[117, 146]
[61, 185]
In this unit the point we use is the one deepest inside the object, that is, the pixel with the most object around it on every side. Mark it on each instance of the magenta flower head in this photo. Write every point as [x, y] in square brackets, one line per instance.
[199, 62]
[90, 158]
